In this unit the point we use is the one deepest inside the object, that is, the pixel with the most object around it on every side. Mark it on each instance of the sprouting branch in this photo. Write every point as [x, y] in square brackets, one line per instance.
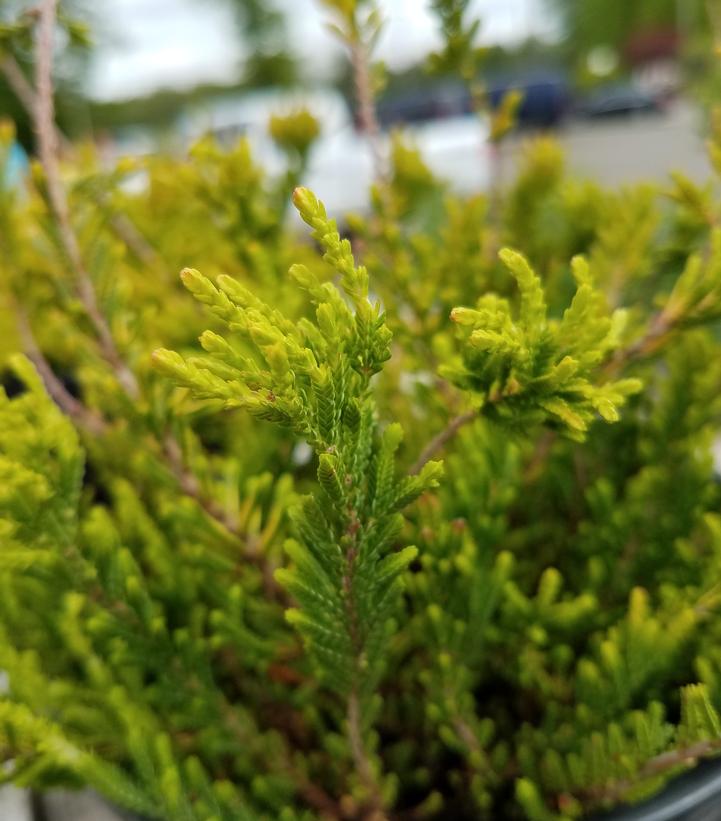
[644, 347]
[358, 38]
[658, 331]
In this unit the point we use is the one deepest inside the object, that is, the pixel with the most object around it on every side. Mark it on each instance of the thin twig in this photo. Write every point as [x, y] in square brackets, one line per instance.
[440, 440]
[365, 99]
[541, 452]
[92, 422]
[47, 136]
[130, 236]
[20, 85]
[191, 487]
[468, 737]
[659, 328]
[316, 796]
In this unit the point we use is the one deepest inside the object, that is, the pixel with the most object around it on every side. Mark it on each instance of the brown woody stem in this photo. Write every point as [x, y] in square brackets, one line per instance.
[365, 99]
[47, 137]
[441, 440]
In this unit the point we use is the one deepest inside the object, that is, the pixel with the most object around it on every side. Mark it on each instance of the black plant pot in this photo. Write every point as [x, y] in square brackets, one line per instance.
[693, 796]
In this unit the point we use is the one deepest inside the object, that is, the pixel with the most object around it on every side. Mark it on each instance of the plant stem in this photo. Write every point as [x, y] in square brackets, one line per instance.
[355, 726]
[659, 328]
[362, 761]
[47, 136]
[21, 86]
[441, 439]
[71, 407]
[366, 104]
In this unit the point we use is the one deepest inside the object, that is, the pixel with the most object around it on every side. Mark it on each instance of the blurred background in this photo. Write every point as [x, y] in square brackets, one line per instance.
[623, 84]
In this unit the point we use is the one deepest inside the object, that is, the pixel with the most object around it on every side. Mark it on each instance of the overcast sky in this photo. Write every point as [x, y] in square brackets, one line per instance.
[148, 44]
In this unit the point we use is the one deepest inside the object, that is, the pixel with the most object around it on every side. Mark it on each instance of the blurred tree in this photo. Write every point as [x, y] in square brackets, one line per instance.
[613, 23]
[269, 62]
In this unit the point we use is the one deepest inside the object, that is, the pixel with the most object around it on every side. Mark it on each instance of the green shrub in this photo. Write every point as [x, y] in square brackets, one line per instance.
[236, 581]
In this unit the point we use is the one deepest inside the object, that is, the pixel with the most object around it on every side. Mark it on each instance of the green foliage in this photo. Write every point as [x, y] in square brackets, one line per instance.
[345, 574]
[239, 585]
[536, 370]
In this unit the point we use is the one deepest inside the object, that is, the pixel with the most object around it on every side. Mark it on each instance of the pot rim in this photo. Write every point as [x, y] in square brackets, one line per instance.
[693, 791]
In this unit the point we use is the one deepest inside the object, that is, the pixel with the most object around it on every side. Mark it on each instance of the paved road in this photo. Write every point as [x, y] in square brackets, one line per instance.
[627, 150]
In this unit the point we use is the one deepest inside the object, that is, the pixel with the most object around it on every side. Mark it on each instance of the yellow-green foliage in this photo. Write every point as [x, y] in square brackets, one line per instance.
[246, 588]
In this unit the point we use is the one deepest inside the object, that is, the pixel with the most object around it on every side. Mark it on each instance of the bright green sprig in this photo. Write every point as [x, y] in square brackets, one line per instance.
[372, 338]
[296, 374]
[346, 574]
[534, 369]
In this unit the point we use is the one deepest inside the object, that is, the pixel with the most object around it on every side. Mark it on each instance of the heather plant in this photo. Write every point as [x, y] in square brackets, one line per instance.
[422, 525]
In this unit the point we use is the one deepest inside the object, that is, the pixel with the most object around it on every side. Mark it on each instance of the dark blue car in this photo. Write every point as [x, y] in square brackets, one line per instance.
[546, 97]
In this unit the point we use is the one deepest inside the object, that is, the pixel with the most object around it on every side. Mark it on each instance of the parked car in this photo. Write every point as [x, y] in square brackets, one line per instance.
[619, 101]
[546, 97]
